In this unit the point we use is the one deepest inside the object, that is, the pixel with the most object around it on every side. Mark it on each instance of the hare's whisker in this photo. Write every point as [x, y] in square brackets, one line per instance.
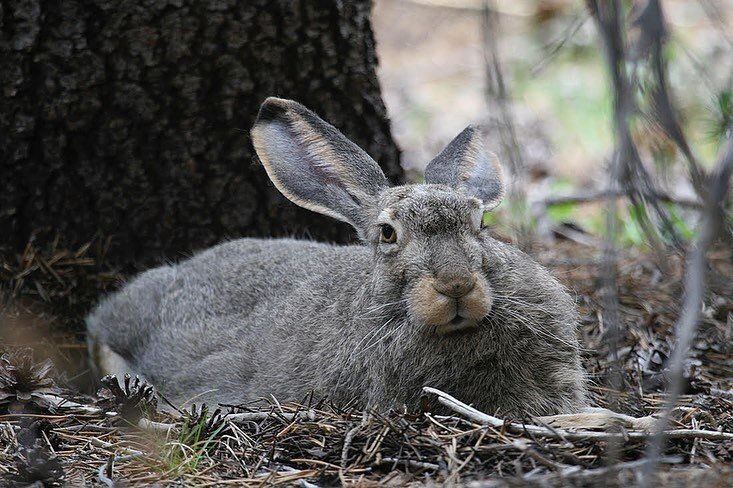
[533, 306]
[380, 339]
[372, 334]
[356, 350]
[537, 327]
[366, 314]
[526, 320]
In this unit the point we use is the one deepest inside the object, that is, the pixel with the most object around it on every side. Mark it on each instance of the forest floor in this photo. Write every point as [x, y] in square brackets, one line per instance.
[55, 428]
[53, 431]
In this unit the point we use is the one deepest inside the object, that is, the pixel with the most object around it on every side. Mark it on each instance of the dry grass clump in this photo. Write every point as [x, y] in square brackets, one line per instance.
[54, 283]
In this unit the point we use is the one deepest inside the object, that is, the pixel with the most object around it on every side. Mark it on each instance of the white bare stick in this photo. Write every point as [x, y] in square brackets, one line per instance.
[63, 404]
[603, 418]
[152, 426]
[562, 434]
[95, 441]
[410, 463]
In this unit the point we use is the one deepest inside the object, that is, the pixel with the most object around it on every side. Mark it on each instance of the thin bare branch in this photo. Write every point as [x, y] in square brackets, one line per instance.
[653, 35]
[499, 102]
[596, 195]
[695, 286]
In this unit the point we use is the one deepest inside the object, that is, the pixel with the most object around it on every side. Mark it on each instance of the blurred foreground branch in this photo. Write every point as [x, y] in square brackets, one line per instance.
[695, 286]
[631, 174]
[650, 43]
[499, 102]
[628, 174]
[595, 195]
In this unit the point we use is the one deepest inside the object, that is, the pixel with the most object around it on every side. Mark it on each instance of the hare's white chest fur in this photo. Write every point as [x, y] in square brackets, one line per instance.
[427, 299]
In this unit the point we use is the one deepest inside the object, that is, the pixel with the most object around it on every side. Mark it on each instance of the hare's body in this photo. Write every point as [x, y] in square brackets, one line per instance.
[429, 299]
[222, 326]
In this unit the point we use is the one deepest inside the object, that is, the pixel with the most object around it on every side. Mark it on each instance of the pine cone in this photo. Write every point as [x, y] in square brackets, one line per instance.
[200, 424]
[24, 383]
[132, 402]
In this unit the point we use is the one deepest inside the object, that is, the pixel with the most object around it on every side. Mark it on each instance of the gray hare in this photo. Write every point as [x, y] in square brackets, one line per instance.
[427, 298]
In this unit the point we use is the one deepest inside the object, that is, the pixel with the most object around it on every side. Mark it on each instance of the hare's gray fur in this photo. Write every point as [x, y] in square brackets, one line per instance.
[444, 305]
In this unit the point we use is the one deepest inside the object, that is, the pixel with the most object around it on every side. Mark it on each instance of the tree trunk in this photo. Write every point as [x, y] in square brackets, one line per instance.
[131, 119]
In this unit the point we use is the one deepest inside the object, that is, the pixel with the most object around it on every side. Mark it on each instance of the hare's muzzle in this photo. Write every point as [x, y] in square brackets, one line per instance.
[450, 301]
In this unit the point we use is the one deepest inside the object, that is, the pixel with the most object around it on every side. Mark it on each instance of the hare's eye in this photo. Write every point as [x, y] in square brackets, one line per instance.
[387, 234]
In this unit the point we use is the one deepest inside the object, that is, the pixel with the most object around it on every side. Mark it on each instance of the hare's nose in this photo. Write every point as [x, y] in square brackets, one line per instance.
[454, 285]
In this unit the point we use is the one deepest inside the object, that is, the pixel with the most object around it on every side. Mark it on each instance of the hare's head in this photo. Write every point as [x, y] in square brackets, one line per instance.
[426, 238]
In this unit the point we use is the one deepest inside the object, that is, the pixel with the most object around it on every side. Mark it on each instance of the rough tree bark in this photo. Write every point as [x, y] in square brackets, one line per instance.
[130, 119]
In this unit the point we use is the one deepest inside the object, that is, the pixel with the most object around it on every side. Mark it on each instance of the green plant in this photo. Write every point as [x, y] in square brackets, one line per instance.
[199, 435]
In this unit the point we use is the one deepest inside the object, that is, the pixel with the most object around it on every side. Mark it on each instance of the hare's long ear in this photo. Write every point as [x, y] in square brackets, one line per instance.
[314, 165]
[467, 165]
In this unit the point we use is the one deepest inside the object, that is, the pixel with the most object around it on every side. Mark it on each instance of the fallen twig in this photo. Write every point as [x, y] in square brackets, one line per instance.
[409, 462]
[563, 434]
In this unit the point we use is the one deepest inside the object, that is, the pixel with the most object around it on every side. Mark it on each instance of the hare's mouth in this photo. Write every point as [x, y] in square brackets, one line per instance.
[458, 323]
